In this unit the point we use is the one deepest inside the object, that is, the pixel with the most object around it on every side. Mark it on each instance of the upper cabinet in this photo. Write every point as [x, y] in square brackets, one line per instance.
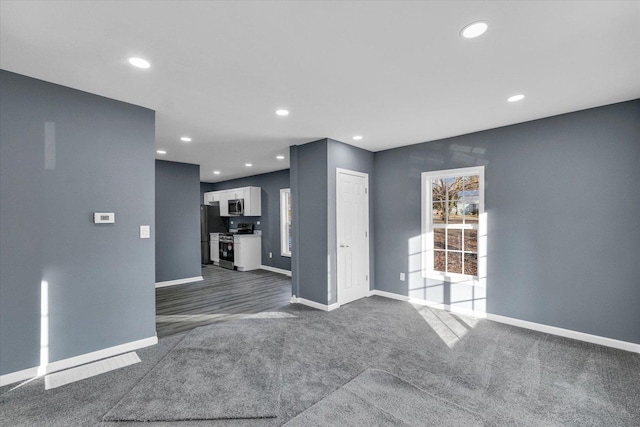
[210, 197]
[252, 201]
[251, 196]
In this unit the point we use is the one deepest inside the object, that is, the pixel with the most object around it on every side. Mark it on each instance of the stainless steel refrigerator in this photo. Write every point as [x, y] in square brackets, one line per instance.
[210, 222]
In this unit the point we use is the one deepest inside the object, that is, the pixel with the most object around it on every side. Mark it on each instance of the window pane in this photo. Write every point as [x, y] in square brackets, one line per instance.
[454, 239]
[454, 213]
[439, 261]
[470, 212]
[454, 262]
[454, 188]
[438, 238]
[438, 190]
[471, 240]
[471, 264]
[470, 199]
[438, 213]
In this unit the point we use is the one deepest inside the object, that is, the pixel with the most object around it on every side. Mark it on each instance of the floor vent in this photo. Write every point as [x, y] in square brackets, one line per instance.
[90, 370]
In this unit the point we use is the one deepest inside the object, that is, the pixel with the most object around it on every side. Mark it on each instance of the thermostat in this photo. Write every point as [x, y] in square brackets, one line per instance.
[104, 217]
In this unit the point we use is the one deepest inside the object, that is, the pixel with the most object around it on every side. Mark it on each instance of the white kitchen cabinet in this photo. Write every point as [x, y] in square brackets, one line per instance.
[251, 196]
[223, 198]
[252, 201]
[214, 247]
[237, 193]
[209, 197]
[247, 252]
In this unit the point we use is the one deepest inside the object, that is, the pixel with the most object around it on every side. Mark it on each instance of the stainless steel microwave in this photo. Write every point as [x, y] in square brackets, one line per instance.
[236, 207]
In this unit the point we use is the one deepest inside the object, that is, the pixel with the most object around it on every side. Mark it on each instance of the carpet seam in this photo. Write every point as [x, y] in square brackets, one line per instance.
[284, 348]
[368, 402]
[144, 376]
[194, 419]
[422, 390]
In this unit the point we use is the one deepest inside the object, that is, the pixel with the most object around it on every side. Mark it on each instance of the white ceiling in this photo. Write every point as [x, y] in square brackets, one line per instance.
[395, 72]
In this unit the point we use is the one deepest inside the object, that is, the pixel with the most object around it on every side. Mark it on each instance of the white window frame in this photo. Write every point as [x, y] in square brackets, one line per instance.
[428, 270]
[285, 203]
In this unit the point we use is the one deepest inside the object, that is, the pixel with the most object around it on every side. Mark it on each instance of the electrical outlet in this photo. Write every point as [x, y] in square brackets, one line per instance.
[402, 277]
[231, 222]
[258, 223]
[270, 254]
[145, 231]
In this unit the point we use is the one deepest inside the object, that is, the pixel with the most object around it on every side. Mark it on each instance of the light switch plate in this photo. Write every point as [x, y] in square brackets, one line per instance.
[145, 231]
[402, 277]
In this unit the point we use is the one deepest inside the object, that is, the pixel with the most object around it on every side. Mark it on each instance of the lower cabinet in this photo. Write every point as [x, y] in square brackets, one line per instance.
[247, 250]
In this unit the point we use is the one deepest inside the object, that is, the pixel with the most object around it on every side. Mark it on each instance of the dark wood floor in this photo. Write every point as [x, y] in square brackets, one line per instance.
[222, 295]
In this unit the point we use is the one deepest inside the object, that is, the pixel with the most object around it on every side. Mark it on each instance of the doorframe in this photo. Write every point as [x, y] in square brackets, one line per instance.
[368, 207]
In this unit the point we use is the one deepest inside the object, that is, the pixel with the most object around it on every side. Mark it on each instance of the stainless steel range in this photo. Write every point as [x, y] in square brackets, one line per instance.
[226, 250]
[227, 245]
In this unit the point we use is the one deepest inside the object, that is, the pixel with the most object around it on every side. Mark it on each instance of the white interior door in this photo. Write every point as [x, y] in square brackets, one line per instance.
[352, 229]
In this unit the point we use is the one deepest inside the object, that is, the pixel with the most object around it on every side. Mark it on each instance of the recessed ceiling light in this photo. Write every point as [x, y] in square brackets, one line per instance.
[248, 165]
[216, 172]
[185, 139]
[161, 152]
[282, 112]
[357, 137]
[474, 29]
[516, 98]
[139, 62]
[280, 157]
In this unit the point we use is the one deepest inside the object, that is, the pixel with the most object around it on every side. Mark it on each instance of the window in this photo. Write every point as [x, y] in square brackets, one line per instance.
[285, 222]
[453, 225]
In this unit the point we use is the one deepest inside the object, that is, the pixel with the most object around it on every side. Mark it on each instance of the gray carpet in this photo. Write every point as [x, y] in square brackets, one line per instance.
[506, 375]
[221, 371]
[377, 398]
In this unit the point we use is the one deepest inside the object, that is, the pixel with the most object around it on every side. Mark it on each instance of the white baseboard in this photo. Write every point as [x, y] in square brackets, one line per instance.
[567, 333]
[391, 295]
[71, 362]
[92, 369]
[276, 270]
[314, 304]
[18, 376]
[179, 281]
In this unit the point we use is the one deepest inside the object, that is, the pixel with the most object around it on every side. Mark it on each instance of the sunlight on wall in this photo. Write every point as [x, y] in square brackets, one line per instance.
[329, 287]
[44, 327]
[482, 250]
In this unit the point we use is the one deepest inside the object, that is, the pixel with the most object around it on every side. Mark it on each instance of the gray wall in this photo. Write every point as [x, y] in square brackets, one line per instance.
[562, 219]
[270, 184]
[65, 154]
[313, 186]
[309, 203]
[346, 156]
[177, 221]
